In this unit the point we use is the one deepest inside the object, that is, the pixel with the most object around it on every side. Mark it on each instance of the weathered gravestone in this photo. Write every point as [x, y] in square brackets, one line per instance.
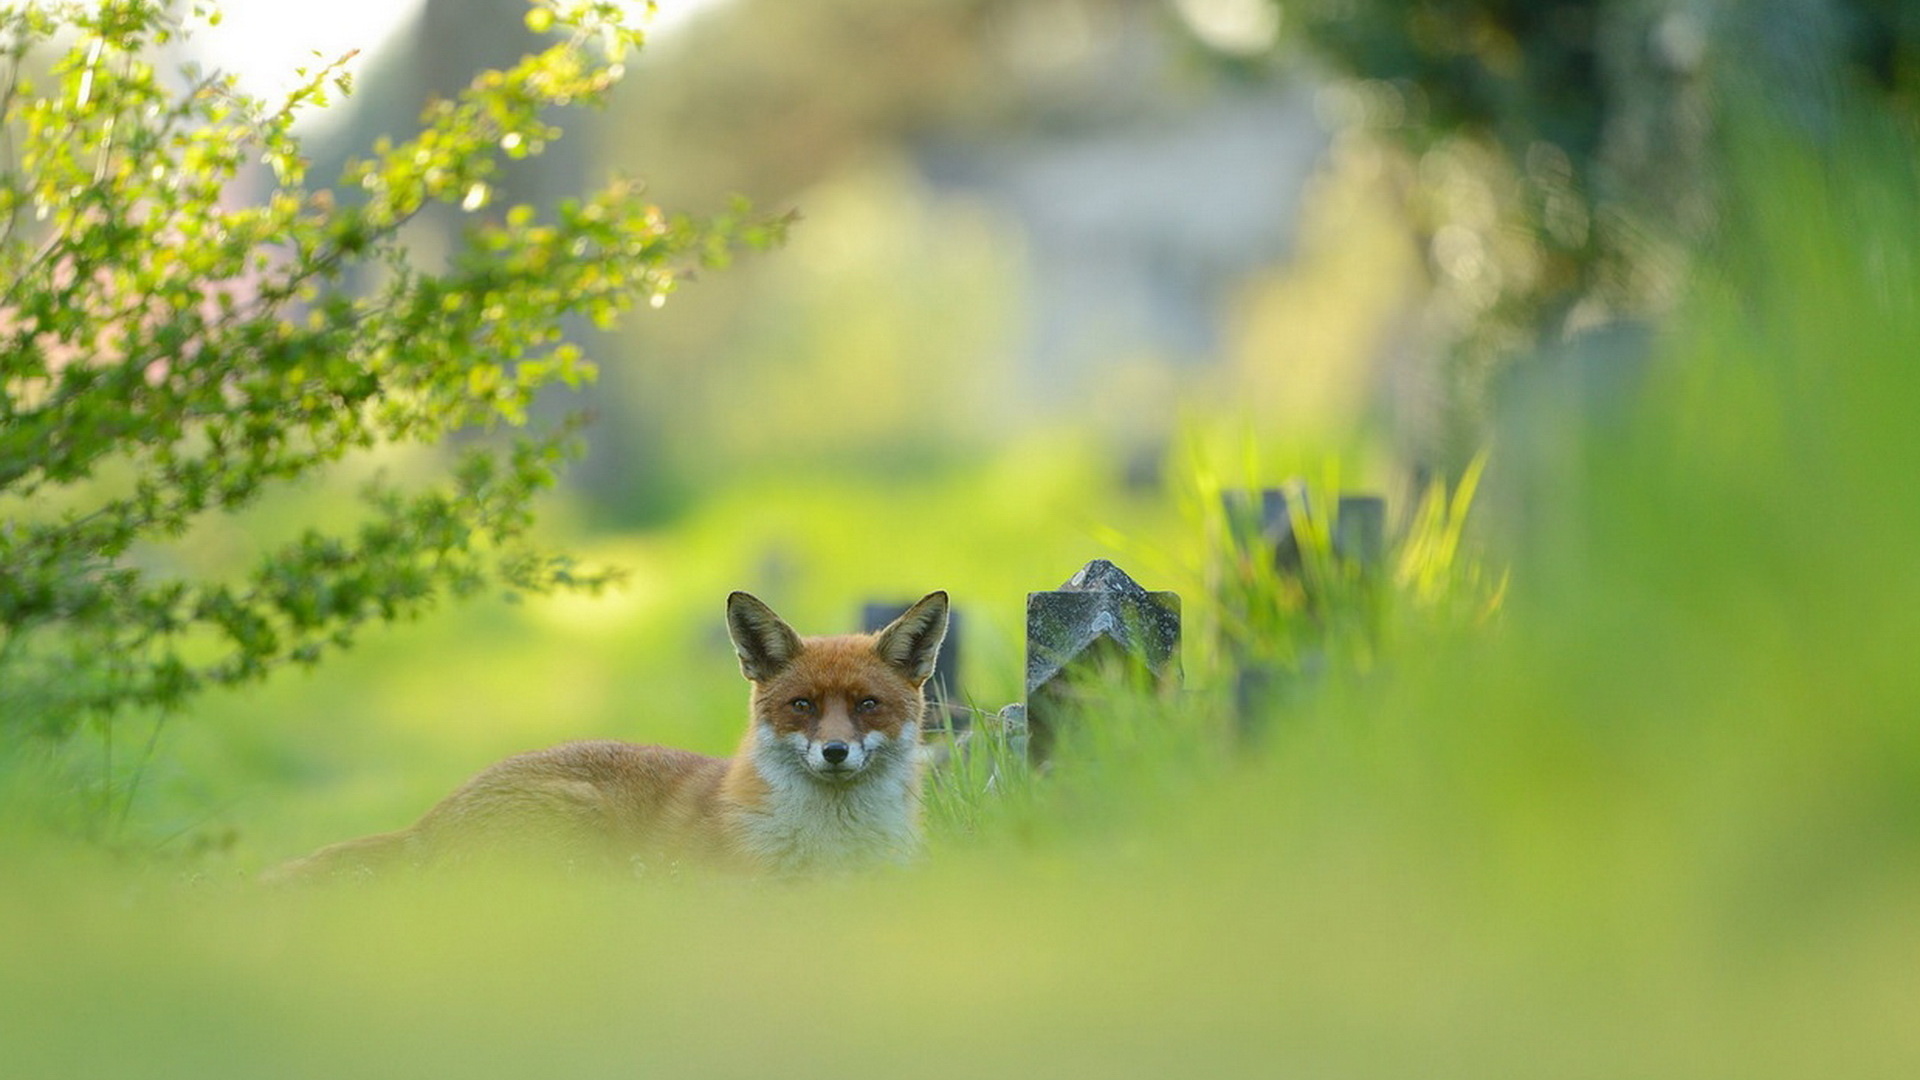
[944, 705]
[1099, 623]
[1262, 523]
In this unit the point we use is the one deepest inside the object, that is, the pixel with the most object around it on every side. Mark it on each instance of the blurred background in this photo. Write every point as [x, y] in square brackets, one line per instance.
[1058, 268]
[1040, 249]
[1061, 271]
[1053, 260]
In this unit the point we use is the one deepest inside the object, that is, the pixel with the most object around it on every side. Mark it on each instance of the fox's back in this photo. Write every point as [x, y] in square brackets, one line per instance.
[592, 799]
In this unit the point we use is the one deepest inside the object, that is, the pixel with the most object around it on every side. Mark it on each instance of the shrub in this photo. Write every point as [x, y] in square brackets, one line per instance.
[188, 324]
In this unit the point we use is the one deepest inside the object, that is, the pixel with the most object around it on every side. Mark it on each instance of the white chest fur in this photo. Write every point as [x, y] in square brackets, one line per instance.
[810, 824]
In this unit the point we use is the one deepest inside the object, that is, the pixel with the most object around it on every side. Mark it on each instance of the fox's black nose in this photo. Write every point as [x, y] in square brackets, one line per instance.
[834, 752]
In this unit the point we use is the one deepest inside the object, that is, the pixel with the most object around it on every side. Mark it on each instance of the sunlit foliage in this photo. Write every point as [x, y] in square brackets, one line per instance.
[179, 337]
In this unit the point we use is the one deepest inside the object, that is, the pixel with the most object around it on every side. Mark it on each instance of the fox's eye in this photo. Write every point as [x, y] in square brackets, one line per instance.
[867, 704]
[801, 705]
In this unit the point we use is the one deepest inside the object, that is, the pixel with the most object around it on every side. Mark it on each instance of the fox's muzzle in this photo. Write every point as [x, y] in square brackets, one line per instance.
[837, 759]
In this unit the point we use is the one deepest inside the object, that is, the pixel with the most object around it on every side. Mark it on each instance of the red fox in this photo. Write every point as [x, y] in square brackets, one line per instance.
[828, 775]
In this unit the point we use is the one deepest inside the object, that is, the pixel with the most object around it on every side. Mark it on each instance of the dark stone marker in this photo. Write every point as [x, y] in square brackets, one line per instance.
[1099, 617]
[1360, 530]
[1264, 519]
[944, 687]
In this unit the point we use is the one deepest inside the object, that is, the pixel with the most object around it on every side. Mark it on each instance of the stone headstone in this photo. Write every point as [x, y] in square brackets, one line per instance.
[1264, 519]
[1013, 727]
[1265, 689]
[1100, 617]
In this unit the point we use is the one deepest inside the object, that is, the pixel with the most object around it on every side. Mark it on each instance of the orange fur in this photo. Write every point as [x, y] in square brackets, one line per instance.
[782, 802]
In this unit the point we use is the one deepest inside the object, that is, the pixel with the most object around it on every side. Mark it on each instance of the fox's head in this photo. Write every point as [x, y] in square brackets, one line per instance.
[836, 708]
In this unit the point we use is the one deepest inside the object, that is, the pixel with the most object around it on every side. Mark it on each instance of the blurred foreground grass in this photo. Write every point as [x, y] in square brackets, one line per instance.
[1661, 819]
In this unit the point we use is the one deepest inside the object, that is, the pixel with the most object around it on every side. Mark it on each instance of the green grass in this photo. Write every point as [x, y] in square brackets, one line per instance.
[1658, 816]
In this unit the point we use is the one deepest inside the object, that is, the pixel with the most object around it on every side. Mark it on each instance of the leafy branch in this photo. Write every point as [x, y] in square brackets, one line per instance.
[181, 333]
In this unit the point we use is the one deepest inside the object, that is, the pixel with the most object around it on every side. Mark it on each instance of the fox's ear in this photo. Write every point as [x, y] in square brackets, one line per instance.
[766, 644]
[912, 641]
